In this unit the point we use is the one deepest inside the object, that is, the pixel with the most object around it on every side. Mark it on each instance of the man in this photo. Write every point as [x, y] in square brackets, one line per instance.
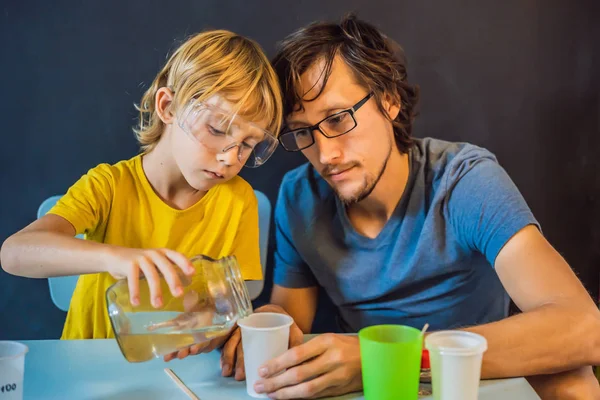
[405, 231]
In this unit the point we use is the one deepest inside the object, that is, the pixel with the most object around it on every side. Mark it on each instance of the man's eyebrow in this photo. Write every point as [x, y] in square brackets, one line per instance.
[328, 111]
[336, 107]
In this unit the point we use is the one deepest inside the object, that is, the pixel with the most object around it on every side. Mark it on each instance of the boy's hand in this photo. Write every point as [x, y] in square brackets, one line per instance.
[202, 347]
[130, 263]
[204, 342]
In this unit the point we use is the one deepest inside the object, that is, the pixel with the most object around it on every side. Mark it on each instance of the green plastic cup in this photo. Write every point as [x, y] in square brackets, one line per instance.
[391, 362]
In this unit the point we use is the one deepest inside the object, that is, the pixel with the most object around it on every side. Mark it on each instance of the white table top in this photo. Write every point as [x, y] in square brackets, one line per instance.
[95, 369]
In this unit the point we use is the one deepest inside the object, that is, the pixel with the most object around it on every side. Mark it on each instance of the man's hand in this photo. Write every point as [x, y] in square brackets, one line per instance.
[328, 365]
[232, 356]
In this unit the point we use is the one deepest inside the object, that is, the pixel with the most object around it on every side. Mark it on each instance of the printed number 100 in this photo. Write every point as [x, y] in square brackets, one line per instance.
[8, 387]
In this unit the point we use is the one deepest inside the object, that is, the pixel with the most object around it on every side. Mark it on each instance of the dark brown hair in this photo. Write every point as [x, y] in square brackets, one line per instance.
[377, 61]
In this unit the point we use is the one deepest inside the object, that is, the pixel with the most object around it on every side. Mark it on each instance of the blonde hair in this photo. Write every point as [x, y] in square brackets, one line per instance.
[208, 63]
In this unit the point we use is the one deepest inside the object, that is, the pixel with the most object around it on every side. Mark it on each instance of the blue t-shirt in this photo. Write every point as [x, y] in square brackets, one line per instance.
[432, 262]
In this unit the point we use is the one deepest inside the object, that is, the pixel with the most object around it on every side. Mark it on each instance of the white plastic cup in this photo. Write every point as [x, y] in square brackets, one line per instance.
[455, 358]
[264, 337]
[12, 369]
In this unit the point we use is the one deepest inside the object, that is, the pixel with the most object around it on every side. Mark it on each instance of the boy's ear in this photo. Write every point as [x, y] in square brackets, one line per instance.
[164, 99]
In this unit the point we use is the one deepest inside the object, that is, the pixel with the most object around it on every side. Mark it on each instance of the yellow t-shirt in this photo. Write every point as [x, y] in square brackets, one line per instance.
[116, 204]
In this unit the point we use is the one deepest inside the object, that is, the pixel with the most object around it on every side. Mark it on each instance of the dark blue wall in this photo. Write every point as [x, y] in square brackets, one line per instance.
[520, 78]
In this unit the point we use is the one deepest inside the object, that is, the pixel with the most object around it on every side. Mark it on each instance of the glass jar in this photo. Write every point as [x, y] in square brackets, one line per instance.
[213, 300]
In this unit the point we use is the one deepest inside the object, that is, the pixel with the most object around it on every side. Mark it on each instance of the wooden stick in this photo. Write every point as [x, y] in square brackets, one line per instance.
[181, 385]
[424, 329]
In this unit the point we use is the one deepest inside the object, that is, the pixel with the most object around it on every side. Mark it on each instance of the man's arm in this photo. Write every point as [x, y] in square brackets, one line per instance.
[577, 384]
[300, 304]
[559, 329]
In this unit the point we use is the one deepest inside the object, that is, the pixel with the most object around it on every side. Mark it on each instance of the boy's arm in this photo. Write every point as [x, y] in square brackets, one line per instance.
[246, 246]
[47, 247]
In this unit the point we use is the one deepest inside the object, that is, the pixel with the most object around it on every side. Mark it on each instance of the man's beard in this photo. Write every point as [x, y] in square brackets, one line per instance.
[366, 189]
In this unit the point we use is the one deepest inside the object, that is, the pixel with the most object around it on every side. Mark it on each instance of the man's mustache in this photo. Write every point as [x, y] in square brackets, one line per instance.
[337, 168]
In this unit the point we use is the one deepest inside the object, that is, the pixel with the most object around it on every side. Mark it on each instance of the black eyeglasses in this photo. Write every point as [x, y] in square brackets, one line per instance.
[332, 126]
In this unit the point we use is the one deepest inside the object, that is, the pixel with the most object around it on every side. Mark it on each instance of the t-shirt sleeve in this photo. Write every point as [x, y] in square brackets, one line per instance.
[87, 202]
[484, 206]
[246, 246]
[290, 269]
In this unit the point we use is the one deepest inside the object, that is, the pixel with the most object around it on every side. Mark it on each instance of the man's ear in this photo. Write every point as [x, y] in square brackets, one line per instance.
[163, 102]
[391, 105]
